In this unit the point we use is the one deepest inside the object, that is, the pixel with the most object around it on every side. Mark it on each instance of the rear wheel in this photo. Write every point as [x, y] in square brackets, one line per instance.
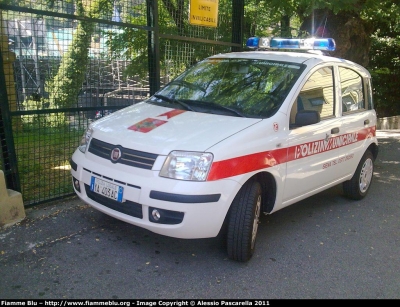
[243, 222]
[358, 186]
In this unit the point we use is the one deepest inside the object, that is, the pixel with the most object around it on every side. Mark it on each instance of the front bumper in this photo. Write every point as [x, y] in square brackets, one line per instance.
[174, 208]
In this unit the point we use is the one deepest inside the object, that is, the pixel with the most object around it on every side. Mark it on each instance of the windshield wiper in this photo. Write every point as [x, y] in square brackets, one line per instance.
[173, 100]
[218, 106]
[208, 104]
[192, 86]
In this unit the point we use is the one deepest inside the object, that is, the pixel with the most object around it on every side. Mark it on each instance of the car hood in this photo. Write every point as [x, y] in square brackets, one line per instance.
[158, 129]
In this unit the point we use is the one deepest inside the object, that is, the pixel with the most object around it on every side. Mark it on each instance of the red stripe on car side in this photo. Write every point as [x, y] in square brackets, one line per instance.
[253, 162]
[245, 164]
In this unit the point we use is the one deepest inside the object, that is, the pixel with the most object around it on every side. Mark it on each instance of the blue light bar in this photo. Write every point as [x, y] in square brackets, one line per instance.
[327, 44]
[252, 42]
[285, 43]
[324, 44]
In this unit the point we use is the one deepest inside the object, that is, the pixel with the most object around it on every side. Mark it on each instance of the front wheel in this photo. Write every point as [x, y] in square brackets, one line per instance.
[358, 186]
[243, 222]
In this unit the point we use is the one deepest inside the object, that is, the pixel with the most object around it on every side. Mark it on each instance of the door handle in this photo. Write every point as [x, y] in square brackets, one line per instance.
[335, 130]
[366, 122]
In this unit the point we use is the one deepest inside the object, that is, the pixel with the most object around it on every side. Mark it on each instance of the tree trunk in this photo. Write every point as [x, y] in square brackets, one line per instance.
[285, 26]
[352, 35]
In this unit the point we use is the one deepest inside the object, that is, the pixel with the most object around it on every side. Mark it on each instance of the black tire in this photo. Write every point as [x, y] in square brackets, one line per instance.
[358, 186]
[243, 222]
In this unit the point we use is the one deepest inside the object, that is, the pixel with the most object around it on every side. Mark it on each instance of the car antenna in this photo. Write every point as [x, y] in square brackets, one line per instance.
[323, 30]
[312, 19]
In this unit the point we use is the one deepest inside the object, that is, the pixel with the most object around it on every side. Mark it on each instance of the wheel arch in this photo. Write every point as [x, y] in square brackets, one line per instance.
[374, 150]
[268, 185]
[269, 188]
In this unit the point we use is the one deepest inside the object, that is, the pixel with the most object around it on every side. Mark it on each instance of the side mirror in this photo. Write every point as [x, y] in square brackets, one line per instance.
[307, 117]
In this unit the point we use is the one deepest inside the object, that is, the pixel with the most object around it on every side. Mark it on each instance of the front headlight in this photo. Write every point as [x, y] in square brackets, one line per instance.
[186, 165]
[85, 140]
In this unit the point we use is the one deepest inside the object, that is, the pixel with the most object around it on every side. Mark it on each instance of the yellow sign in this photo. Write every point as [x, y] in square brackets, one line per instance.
[204, 13]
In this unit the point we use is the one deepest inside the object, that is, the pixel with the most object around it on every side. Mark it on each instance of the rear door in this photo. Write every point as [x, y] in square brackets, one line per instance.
[358, 118]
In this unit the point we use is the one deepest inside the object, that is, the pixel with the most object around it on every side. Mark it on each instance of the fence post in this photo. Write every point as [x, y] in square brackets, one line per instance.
[7, 103]
[11, 205]
[153, 46]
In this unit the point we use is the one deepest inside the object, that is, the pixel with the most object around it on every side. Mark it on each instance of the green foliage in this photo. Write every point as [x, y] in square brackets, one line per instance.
[37, 120]
[357, 7]
[262, 17]
[382, 18]
[40, 150]
[132, 44]
[129, 44]
[65, 86]
[385, 70]
[384, 55]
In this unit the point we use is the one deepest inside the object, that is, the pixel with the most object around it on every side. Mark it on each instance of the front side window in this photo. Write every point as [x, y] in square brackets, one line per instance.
[235, 87]
[352, 90]
[316, 95]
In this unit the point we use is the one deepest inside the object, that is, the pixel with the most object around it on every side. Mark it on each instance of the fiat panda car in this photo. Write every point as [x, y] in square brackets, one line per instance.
[234, 136]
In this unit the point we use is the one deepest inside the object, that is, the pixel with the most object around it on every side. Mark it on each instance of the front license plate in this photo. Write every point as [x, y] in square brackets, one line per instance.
[106, 189]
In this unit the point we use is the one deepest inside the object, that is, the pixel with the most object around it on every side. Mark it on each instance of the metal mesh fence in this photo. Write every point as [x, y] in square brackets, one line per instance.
[72, 62]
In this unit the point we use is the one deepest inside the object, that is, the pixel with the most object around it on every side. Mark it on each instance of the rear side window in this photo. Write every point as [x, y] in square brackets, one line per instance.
[352, 90]
[370, 95]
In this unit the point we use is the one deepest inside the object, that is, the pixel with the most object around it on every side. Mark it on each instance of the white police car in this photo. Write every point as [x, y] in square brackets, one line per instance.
[233, 136]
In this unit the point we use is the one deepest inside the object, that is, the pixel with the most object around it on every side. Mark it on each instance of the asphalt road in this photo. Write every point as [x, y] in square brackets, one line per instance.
[325, 247]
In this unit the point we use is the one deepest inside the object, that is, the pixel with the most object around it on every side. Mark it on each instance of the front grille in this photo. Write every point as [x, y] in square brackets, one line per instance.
[129, 157]
[128, 207]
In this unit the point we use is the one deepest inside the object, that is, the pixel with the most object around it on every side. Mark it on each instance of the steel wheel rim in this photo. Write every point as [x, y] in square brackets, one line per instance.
[366, 175]
[256, 221]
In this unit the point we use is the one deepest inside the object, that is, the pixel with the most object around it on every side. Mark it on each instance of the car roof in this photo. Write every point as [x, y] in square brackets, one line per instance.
[295, 57]
[307, 58]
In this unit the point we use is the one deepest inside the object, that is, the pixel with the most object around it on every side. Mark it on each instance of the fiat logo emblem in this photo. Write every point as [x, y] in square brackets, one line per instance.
[116, 154]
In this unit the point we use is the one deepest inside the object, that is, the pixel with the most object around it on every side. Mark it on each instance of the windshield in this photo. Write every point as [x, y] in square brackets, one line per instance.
[235, 87]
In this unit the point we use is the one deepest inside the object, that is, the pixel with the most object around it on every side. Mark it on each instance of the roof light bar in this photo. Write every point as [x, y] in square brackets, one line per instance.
[252, 42]
[327, 44]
